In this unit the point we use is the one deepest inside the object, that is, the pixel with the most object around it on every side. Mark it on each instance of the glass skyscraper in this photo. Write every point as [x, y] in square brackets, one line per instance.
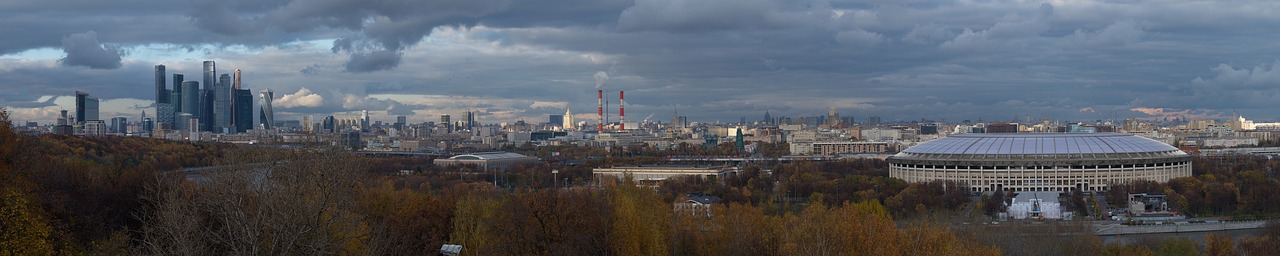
[243, 110]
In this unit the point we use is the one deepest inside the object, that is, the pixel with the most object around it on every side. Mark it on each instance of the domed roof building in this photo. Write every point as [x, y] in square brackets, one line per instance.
[1040, 161]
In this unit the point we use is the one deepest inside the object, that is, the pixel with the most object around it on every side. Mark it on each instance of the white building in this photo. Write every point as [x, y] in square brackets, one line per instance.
[1036, 206]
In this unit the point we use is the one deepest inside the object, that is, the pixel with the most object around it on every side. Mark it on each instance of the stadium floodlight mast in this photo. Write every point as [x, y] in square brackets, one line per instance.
[555, 174]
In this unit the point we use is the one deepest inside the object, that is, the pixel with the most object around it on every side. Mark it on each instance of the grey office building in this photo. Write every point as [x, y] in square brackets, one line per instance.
[222, 105]
[243, 110]
[266, 116]
[162, 94]
[190, 98]
[86, 107]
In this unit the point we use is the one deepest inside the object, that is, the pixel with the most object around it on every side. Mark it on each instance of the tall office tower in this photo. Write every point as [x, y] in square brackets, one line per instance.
[243, 110]
[206, 109]
[177, 91]
[118, 125]
[568, 120]
[448, 127]
[306, 123]
[402, 120]
[86, 107]
[364, 120]
[266, 116]
[190, 96]
[210, 73]
[164, 105]
[235, 102]
[207, 97]
[62, 119]
[222, 105]
[471, 120]
[873, 121]
[162, 94]
[328, 124]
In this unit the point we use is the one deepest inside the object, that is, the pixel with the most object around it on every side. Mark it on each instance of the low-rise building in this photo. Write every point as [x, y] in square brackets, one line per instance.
[653, 174]
[487, 160]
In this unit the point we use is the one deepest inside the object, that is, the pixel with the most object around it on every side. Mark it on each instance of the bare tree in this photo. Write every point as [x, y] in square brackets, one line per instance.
[260, 203]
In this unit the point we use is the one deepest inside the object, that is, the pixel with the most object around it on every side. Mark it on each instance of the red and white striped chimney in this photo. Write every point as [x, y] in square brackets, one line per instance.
[622, 112]
[600, 110]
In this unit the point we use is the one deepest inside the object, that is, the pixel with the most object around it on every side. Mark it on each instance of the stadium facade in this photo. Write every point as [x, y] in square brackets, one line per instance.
[1040, 161]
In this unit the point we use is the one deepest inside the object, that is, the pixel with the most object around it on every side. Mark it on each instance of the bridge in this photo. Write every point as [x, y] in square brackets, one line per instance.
[1240, 151]
[738, 159]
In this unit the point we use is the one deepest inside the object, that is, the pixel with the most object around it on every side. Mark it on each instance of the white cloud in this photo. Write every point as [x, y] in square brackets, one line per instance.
[547, 104]
[302, 98]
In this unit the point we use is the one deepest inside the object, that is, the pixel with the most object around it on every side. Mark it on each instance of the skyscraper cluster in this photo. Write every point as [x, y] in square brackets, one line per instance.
[220, 106]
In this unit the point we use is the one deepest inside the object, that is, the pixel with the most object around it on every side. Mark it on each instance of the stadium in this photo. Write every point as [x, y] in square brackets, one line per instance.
[1040, 161]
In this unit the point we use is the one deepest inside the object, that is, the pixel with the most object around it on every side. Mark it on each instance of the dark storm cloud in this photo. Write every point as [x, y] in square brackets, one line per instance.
[373, 61]
[385, 28]
[311, 70]
[715, 59]
[83, 49]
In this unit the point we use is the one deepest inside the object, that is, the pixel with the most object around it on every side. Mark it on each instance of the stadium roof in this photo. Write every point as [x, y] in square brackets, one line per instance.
[488, 156]
[1040, 144]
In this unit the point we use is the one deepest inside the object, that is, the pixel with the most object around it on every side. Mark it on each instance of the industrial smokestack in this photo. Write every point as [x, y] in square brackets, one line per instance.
[622, 112]
[600, 110]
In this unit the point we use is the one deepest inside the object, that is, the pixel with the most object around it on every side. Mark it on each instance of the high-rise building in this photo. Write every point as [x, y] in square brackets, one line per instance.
[162, 94]
[833, 117]
[243, 110]
[265, 114]
[873, 121]
[207, 97]
[444, 120]
[118, 125]
[210, 73]
[183, 121]
[328, 124]
[222, 110]
[190, 95]
[62, 119]
[568, 120]
[164, 103]
[555, 119]
[176, 98]
[165, 114]
[148, 125]
[86, 107]
[471, 120]
[235, 104]
[364, 120]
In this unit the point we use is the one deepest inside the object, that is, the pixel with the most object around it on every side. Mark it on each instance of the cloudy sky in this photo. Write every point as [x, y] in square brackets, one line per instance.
[711, 59]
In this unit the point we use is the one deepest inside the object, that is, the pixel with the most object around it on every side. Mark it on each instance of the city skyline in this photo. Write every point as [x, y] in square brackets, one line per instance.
[526, 60]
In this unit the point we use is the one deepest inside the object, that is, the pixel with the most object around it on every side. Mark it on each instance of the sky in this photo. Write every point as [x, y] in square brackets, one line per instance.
[711, 60]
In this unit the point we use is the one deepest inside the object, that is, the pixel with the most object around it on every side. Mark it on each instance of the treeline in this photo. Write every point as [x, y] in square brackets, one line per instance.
[1237, 186]
[321, 203]
[77, 195]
